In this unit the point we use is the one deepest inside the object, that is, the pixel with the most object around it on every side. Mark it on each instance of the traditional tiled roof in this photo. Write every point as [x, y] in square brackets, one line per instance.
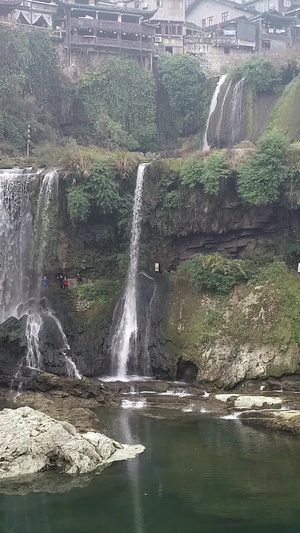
[231, 3]
[102, 6]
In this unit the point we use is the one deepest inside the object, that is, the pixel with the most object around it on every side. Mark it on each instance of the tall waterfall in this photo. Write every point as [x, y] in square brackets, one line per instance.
[213, 105]
[236, 116]
[22, 256]
[125, 336]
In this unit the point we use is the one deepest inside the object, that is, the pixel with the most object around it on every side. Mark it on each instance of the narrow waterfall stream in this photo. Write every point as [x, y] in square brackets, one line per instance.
[22, 258]
[213, 105]
[222, 112]
[236, 116]
[125, 333]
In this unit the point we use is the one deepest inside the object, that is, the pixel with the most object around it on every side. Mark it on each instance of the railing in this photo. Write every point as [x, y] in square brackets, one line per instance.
[7, 21]
[216, 40]
[42, 7]
[98, 42]
[111, 25]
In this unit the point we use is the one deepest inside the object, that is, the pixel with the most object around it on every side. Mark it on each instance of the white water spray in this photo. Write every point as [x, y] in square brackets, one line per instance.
[22, 257]
[213, 105]
[124, 339]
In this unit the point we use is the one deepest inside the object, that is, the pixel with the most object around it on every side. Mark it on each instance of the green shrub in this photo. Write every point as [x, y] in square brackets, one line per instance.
[259, 73]
[78, 203]
[271, 272]
[173, 200]
[206, 171]
[98, 190]
[260, 178]
[103, 188]
[191, 171]
[101, 291]
[214, 272]
[215, 166]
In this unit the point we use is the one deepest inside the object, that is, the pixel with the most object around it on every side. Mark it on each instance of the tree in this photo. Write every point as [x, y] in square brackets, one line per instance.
[119, 99]
[259, 73]
[184, 83]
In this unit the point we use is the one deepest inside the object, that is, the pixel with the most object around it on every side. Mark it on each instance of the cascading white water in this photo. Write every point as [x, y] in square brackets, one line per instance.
[15, 239]
[22, 256]
[213, 105]
[125, 336]
[236, 114]
[222, 112]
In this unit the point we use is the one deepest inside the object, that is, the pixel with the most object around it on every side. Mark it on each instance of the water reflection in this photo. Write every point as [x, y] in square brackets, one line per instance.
[209, 475]
[132, 467]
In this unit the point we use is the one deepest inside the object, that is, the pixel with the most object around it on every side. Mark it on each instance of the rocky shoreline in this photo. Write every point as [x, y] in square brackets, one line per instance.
[273, 404]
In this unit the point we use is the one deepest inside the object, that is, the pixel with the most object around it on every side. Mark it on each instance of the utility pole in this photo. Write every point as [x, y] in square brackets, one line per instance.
[28, 140]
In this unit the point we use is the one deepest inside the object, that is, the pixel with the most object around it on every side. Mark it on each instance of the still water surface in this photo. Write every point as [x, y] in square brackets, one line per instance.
[203, 475]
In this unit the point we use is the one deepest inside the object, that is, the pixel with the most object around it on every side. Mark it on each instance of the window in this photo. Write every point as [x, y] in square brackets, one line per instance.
[158, 30]
[287, 3]
[203, 23]
[226, 50]
[159, 3]
[136, 5]
[179, 30]
[266, 45]
[210, 21]
[166, 30]
[225, 16]
[173, 30]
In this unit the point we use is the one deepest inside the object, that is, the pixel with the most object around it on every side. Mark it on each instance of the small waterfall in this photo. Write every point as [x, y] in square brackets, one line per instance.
[236, 115]
[213, 105]
[22, 257]
[125, 336]
[222, 112]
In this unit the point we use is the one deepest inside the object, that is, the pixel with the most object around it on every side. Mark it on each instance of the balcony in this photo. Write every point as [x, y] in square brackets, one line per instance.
[111, 25]
[93, 43]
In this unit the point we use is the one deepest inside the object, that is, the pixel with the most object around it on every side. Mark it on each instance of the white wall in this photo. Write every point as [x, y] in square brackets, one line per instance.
[208, 8]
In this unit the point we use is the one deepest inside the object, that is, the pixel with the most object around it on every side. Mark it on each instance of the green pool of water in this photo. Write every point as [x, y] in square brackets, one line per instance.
[203, 475]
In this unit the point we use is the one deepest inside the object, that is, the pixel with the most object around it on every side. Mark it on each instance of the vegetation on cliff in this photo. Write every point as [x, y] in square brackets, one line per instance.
[31, 89]
[118, 104]
[284, 118]
[262, 312]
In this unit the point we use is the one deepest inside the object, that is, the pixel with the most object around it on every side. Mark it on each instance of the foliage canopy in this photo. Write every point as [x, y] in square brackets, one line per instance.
[260, 73]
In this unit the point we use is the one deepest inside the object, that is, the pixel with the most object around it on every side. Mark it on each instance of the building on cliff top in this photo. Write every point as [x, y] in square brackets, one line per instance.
[86, 29]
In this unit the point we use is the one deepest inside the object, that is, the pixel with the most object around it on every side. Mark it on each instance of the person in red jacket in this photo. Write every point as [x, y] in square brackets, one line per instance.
[66, 282]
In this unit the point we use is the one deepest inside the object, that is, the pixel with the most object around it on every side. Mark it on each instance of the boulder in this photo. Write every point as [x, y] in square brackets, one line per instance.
[33, 442]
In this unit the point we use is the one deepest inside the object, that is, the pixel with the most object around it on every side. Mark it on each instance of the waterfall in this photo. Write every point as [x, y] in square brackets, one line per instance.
[213, 105]
[125, 336]
[236, 115]
[15, 239]
[222, 112]
[22, 256]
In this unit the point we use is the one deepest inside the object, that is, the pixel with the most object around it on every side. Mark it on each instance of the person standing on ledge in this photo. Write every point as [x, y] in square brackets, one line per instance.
[45, 282]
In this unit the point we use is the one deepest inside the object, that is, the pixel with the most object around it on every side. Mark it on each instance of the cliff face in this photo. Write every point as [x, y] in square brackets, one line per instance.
[208, 223]
[250, 334]
[218, 339]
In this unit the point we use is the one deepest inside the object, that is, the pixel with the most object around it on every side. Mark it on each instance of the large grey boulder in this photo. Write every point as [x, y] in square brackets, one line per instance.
[33, 442]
